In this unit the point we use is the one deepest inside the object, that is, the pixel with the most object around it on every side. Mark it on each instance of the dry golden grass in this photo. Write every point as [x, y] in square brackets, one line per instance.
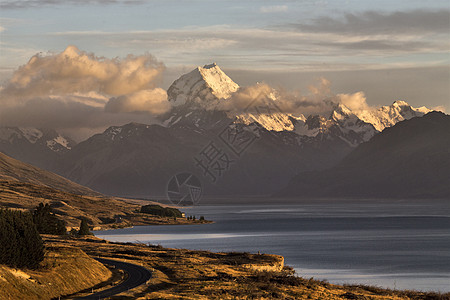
[71, 207]
[23, 186]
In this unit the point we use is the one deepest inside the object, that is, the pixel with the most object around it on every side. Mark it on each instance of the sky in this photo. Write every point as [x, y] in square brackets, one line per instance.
[389, 50]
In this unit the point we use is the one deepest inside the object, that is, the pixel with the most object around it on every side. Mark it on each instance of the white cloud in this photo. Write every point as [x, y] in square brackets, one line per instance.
[356, 101]
[320, 100]
[73, 71]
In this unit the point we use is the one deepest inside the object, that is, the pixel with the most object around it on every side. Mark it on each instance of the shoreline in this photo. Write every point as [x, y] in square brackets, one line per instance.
[331, 272]
[238, 269]
[298, 274]
[193, 274]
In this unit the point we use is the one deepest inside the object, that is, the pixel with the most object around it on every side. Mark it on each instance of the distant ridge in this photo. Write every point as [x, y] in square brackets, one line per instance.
[409, 160]
[15, 170]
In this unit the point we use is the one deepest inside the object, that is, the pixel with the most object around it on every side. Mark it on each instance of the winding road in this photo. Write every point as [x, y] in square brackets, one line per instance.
[137, 275]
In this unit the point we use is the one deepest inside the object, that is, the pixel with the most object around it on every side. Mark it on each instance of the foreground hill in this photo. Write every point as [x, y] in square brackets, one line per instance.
[65, 270]
[408, 160]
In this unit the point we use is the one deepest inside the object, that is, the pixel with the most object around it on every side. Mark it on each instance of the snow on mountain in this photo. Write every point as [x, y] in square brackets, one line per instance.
[355, 127]
[204, 85]
[387, 116]
[44, 137]
[196, 96]
[276, 121]
[130, 130]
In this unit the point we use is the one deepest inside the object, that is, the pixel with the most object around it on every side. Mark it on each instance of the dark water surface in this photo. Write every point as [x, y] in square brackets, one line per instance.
[403, 244]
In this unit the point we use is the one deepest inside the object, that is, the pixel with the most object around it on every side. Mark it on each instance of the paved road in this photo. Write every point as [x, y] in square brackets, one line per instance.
[137, 275]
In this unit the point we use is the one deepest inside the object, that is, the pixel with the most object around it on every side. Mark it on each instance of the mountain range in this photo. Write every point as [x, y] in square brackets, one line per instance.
[256, 151]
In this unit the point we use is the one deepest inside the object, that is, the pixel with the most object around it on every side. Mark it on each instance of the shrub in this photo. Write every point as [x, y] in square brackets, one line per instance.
[20, 243]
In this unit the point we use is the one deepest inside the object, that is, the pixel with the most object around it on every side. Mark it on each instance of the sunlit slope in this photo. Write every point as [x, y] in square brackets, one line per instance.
[15, 170]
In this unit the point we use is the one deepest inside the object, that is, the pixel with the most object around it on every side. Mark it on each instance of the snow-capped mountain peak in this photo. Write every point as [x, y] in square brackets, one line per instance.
[341, 112]
[203, 86]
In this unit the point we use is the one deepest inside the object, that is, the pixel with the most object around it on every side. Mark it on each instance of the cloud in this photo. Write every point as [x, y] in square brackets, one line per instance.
[79, 119]
[74, 71]
[379, 23]
[439, 108]
[75, 90]
[273, 9]
[292, 47]
[262, 98]
[356, 101]
[153, 101]
[20, 4]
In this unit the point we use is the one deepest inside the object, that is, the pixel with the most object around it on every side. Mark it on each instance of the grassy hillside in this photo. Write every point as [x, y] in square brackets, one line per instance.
[65, 270]
[70, 207]
[23, 186]
[105, 212]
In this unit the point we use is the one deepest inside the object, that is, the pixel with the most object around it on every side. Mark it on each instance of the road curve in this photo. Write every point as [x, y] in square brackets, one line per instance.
[137, 275]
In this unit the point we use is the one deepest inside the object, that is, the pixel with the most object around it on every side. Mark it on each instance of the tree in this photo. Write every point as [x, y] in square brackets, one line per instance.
[20, 243]
[47, 222]
[158, 210]
[84, 227]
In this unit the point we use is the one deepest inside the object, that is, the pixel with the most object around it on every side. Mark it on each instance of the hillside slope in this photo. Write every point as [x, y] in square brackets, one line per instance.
[408, 160]
[70, 207]
[15, 170]
[65, 270]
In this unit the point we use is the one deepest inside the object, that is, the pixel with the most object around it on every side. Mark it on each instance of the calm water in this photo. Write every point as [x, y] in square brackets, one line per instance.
[395, 244]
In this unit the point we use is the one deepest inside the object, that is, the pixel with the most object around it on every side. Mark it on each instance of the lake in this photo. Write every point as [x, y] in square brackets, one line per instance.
[401, 244]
